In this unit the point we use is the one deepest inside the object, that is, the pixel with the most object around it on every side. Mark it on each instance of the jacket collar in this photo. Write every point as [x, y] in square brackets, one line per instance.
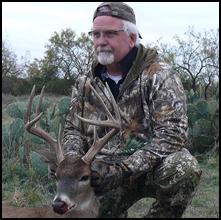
[132, 65]
[145, 57]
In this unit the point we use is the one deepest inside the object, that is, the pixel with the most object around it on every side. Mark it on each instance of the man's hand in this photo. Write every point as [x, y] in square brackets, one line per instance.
[106, 176]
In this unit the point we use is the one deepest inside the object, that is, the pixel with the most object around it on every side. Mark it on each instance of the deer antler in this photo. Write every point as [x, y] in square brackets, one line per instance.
[114, 123]
[32, 126]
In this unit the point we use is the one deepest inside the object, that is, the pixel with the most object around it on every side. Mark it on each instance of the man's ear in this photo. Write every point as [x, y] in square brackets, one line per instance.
[133, 39]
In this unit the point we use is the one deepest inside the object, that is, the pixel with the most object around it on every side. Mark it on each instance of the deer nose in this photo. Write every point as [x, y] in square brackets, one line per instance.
[59, 206]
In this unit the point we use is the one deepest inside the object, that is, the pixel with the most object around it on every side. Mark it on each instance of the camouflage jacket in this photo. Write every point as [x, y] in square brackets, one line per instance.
[153, 114]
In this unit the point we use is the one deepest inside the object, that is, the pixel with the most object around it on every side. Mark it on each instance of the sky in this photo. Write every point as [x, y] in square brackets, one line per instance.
[28, 26]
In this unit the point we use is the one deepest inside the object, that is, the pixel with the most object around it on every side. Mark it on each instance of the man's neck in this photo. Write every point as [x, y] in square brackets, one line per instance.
[114, 69]
[122, 67]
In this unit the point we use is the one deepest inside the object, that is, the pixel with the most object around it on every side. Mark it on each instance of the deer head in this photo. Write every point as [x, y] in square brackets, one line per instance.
[74, 192]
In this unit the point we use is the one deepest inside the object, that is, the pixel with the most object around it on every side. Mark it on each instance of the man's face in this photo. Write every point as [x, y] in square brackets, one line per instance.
[111, 43]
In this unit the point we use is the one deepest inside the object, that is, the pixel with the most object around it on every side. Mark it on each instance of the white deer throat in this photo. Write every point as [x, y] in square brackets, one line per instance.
[89, 202]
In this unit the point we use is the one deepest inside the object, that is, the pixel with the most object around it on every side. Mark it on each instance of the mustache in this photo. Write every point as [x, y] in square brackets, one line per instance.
[103, 49]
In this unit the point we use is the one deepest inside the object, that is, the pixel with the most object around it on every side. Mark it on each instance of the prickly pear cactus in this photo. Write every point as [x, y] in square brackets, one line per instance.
[5, 135]
[16, 109]
[202, 117]
[21, 152]
[44, 105]
[54, 124]
[37, 164]
[17, 129]
[64, 105]
[213, 107]
[202, 108]
[34, 139]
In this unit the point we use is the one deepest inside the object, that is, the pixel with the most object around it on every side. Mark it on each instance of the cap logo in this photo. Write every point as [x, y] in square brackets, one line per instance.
[115, 13]
[104, 9]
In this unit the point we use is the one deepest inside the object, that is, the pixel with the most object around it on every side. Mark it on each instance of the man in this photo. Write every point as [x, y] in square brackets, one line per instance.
[147, 158]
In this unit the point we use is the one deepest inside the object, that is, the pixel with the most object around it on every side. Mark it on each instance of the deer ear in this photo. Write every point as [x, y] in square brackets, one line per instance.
[48, 157]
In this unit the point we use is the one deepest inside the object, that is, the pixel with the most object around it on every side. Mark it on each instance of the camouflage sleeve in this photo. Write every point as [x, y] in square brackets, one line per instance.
[164, 104]
[73, 140]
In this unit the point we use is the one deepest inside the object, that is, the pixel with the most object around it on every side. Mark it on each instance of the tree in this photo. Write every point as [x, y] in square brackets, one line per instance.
[40, 73]
[72, 55]
[34, 69]
[196, 58]
[10, 68]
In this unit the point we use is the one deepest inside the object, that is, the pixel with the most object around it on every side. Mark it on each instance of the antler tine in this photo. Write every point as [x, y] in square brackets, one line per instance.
[97, 145]
[38, 108]
[102, 102]
[111, 121]
[28, 113]
[115, 124]
[59, 154]
[29, 125]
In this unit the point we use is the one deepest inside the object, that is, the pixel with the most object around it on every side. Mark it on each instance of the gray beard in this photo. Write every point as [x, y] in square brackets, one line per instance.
[105, 58]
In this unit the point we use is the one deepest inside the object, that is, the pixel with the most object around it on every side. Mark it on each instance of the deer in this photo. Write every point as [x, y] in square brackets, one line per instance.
[10, 211]
[75, 198]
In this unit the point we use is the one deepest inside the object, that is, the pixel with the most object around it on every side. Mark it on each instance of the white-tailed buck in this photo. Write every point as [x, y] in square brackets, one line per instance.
[9, 211]
[75, 197]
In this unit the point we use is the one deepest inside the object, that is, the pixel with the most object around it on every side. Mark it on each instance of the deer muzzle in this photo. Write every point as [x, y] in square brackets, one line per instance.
[61, 207]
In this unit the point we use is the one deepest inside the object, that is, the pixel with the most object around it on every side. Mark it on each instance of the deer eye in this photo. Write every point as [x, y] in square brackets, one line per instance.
[84, 178]
[52, 174]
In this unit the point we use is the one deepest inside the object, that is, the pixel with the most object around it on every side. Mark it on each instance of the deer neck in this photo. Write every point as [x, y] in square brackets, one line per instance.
[87, 209]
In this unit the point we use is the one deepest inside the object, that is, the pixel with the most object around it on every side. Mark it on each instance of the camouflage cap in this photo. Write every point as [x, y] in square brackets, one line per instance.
[115, 9]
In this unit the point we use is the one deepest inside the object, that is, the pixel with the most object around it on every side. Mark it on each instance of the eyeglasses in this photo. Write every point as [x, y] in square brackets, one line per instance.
[106, 33]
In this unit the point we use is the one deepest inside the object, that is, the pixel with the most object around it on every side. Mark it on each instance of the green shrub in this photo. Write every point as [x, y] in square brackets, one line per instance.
[59, 86]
